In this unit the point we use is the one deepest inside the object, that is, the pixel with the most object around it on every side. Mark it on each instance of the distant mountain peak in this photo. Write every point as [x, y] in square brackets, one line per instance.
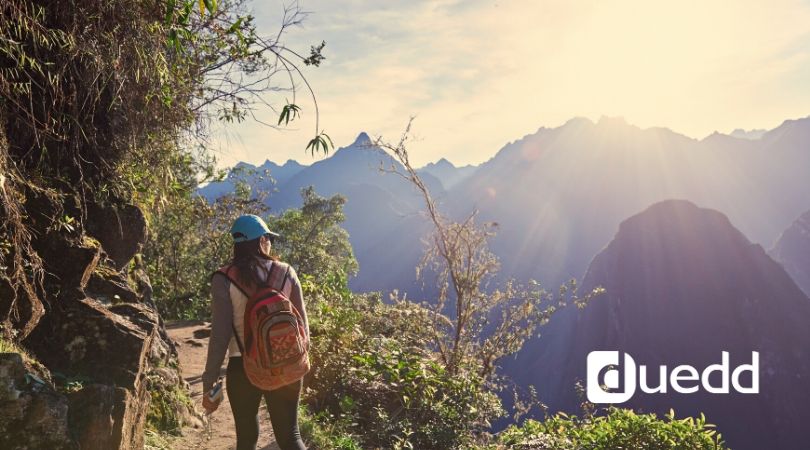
[289, 164]
[748, 134]
[243, 164]
[447, 172]
[608, 120]
[793, 122]
[443, 163]
[293, 163]
[363, 140]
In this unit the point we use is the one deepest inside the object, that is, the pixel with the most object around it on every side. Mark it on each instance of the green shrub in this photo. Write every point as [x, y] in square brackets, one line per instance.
[404, 395]
[374, 378]
[322, 433]
[617, 429]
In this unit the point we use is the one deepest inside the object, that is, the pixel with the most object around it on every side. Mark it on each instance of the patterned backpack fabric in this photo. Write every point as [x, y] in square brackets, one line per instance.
[275, 351]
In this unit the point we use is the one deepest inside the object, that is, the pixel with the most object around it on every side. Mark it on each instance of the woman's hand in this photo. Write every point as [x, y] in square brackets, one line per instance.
[210, 406]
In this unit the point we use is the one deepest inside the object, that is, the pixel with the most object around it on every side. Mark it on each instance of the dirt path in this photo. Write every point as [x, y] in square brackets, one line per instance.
[192, 341]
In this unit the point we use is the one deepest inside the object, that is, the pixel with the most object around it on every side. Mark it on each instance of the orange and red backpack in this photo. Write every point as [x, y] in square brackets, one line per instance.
[276, 347]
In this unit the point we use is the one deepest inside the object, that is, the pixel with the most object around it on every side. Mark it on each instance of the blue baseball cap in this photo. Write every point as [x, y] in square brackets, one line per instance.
[249, 227]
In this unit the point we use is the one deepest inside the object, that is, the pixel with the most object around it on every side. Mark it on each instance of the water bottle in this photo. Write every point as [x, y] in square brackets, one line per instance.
[215, 394]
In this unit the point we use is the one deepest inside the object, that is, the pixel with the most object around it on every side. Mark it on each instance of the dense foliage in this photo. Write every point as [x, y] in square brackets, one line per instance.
[615, 429]
[313, 238]
[110, 102]
[189, 240]
[375, 383]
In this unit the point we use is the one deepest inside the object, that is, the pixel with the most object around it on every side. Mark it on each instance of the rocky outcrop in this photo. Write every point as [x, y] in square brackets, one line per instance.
[98, 336]
[32, 414]
[89, 339]
[105, 416]
[792, 250]
[121, 230]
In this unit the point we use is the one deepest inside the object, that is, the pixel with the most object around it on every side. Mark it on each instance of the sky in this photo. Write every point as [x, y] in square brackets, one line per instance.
[479, 74]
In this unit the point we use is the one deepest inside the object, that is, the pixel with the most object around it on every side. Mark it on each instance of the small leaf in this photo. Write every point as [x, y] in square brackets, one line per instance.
[312, 144]
[169, 11]
[329, 139]
[288, 113]
[236, 25]
[211, 6]
[186, 14]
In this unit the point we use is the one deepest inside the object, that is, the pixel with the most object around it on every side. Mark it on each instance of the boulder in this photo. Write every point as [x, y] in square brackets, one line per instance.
[161, 349]
[12, 373]
[74, 265]
[68, 262]
[87, 339]
[120, 229]
[89, 328]
[32, 414]
[120, 353]
[106, 417]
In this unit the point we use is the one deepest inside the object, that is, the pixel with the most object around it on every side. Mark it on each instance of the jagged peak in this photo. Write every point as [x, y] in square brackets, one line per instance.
[363, 140]
[443, 162]
[243, 165]
[268, 164]
[753, 134]
[292, 162]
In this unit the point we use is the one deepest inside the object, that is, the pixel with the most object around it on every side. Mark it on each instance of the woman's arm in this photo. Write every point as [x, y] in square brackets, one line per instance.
[221, 329]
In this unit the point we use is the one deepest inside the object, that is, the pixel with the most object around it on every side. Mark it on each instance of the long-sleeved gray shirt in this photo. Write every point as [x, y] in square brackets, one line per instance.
[222, 320]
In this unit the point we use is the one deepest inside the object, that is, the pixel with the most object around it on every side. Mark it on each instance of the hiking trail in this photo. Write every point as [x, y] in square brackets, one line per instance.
[191, 338]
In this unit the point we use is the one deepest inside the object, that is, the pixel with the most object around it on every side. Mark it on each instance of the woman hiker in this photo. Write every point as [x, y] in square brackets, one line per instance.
[252, 266]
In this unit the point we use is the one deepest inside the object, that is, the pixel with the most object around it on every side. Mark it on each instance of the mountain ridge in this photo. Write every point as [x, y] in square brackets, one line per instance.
[737, 133]
[560, 192]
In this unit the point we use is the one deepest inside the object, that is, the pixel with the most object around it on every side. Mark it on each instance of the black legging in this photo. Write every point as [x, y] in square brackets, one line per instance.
[282, 404]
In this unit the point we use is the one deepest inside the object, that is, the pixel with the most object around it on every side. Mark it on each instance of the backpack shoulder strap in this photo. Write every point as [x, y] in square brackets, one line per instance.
[286, 277]
[279, 273]
[229, 272]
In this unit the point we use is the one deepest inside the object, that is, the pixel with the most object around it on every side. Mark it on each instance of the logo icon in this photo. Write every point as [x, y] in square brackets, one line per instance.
[604, 370]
